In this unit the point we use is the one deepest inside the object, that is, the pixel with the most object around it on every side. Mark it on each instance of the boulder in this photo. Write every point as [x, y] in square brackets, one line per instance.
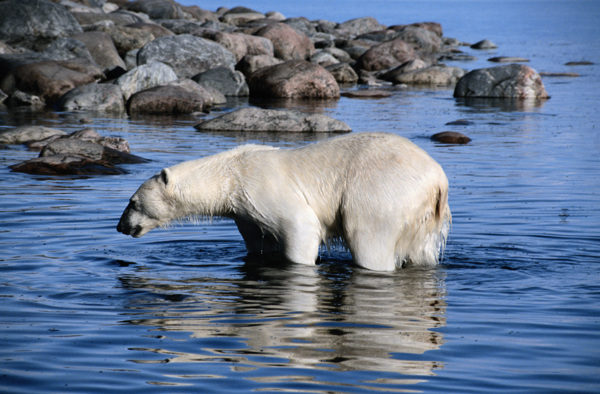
[431, 26]
[240, 15]
[324, 59]
[431, 76]
[156, 9]
[360, 26]
[24, 134]
[167, 99]
[386, 55]
[102, 49]
[450, 137]
[243, 44]
[144, 77]
[90, 150]
[188, 55]
[89, 135]
[294, 79]
[209, 95]
[343, 73]
[422, 40]
[34, 23]
[126, 39]
[66, 48]
[22, 99]
[47, 79]
[152, 28]
[225, 80]
[250, 63]
[265, 120]
[288, 43]
[510, 81]
[93, 97]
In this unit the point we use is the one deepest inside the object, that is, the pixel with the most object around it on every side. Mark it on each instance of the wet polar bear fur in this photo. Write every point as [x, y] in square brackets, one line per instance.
[381, 196]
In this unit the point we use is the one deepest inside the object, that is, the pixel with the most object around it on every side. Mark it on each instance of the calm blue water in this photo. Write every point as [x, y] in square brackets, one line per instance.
[515, 306]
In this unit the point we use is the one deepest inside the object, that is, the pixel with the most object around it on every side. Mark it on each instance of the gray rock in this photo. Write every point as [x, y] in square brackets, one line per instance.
[93, 97]
[225, 80]
[186, 54]
[261, 120]
[144, 77]
[66, 48]
[29, 23]
[422, 39]
[484, 44]
[102, 49]
[23, 134]
[515, 81]
[126, 38]
[430, 76]
[360, 26]
[23, 99]
[156, 9]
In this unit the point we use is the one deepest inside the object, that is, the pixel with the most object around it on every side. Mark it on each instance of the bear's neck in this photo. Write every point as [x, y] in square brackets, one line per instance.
[205, 189]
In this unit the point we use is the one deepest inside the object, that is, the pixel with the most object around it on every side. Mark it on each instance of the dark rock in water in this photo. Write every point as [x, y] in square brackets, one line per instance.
[34, 23]
[386, 55]
[166, 99]
[459, 122]
[288, 43]
[256, 119]
[188, 55]
[297, 79]
[367, 93]
[66, 165]
[510, 81]
[22, 99]
[225, 80]
[549, 74]
[484, 44]
[508, 59]
[580, 63]
[450, 137]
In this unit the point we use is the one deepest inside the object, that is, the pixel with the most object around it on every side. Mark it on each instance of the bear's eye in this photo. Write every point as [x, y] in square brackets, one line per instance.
[134, 205]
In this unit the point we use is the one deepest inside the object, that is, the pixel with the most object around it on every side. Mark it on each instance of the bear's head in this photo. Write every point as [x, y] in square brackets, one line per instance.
[151, 206]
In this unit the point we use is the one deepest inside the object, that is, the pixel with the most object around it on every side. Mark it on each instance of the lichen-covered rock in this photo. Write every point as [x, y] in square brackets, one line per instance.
[93, 97]
[144, 77]
[23, 134]
[256, 119]
[188, 55]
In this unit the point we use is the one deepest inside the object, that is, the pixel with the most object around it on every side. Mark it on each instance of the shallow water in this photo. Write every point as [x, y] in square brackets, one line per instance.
[515, 305]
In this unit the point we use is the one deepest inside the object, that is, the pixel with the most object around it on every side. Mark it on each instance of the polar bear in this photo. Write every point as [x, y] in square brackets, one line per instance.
[378, 194]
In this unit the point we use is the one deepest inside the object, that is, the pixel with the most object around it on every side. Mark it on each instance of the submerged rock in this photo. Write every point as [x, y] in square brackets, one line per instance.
[24, 134]
[450, 137]
[256, 119]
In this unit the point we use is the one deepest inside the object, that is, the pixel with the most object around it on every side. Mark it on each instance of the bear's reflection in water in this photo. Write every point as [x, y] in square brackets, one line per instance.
[330, 317]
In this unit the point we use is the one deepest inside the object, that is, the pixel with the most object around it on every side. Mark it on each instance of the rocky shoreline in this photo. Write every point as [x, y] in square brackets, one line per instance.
[159, 57]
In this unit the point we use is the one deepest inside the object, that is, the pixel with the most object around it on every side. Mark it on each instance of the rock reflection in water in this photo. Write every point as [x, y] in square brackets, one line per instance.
[331, 317]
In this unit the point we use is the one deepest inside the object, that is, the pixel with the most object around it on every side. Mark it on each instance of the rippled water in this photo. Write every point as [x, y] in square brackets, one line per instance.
[515, 306]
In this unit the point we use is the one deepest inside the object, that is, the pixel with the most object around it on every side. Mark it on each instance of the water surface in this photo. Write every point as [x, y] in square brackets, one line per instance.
[515, 305]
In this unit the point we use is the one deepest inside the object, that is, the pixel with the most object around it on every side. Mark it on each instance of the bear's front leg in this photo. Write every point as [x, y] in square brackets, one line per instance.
[301, 237]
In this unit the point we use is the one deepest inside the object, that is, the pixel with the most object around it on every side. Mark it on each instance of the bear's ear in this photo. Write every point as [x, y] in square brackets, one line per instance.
[164, 176]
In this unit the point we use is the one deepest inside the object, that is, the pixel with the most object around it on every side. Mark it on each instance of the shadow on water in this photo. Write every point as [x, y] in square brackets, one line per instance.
[332, 317]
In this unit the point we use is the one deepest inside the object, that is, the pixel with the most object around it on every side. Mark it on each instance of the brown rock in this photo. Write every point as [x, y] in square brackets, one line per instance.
[450, 137]
[243, 44]
[288, 43]
[250, 63]
[294, 79]
[386, 55]
[165, 100]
